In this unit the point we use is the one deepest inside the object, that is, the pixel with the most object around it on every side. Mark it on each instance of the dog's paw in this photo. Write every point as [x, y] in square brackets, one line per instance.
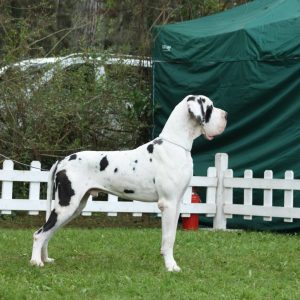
[35, 262]
[173, 267]
[49, 260]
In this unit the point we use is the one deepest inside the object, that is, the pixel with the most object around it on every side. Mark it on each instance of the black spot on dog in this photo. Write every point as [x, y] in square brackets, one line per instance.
[51, 221]
[208, 113]
[103, 163]
[133, 169]
[136, 161]
[202, 111]
[53, 177]
[154, 180]
[201, 99]
[64, 187]
[150, 148]
[129, 191]
[73, 156]
[40, 230]
[150, 159]
[191, 98]
[116, 170]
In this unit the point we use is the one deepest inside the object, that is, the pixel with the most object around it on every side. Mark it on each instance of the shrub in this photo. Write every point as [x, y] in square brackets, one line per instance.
[73, 111]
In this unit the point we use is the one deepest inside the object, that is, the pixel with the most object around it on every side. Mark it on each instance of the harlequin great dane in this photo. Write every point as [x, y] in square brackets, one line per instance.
[157, 171]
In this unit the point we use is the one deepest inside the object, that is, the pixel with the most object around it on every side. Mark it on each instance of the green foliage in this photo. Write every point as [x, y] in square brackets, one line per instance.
[126, 264]
[73, 111]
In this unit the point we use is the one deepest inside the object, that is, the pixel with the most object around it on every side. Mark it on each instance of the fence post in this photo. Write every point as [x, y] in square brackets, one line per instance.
[34, 187]
[221, 163]
[187, 199]
[7, 186]
[112, 199]
[137, 214]
[248, 195]
[211, 191]
[268, 194]
[288, 194]
[228, 192]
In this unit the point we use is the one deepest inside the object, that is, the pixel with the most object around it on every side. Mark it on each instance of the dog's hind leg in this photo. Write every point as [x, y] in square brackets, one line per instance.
[82, 204]
[41, 238]
[59, 217]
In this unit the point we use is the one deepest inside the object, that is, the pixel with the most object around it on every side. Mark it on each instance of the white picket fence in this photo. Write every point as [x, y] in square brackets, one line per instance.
[219, 205]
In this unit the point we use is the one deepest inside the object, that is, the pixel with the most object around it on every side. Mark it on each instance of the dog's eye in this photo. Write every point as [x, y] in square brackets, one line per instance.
[208, 113]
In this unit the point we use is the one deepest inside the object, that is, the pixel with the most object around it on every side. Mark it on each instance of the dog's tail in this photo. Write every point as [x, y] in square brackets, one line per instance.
[50, 189]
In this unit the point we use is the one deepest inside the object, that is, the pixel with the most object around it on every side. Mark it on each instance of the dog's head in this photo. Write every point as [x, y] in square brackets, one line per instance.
[212, 120]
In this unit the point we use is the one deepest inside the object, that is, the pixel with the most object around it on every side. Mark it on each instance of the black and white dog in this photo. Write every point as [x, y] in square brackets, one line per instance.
[157, 171]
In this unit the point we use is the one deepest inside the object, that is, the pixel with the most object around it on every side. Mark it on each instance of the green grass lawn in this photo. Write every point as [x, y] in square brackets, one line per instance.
[125, 264]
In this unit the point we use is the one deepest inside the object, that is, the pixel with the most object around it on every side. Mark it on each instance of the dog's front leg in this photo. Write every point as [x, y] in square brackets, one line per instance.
[169, 209]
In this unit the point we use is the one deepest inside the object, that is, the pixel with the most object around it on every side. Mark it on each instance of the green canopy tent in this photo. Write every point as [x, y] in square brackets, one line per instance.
[247, 60]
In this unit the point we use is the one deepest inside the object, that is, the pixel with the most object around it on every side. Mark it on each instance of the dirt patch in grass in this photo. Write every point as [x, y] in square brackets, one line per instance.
[23, 220]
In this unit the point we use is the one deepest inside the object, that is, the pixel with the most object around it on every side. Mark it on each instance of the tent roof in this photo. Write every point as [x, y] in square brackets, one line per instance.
[259, 30]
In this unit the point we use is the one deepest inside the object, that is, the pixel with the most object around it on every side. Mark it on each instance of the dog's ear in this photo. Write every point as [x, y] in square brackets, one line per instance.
[195, 108]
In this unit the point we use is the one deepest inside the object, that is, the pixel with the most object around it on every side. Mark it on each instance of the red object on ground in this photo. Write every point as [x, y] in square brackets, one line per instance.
[192, 222]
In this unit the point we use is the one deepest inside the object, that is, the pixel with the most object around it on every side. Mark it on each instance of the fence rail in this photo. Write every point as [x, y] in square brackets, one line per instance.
[219, 183]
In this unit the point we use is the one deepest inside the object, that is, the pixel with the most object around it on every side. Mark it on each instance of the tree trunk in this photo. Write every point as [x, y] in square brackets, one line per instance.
[87, 13]
[79, 18]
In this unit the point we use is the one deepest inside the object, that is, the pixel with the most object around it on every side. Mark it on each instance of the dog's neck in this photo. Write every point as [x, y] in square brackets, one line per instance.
[180, 128]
